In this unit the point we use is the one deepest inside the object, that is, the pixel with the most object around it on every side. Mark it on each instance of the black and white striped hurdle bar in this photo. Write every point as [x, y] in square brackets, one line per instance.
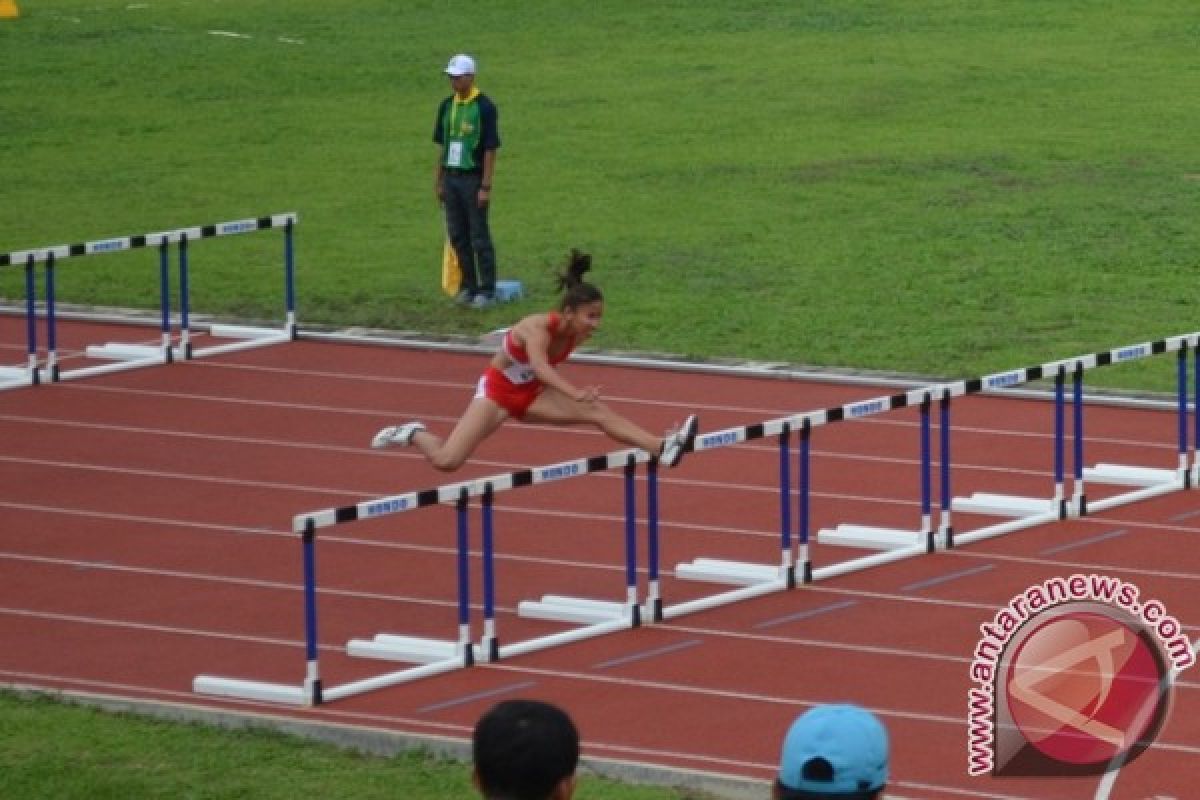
[119, 243]
[914, 397]
[453, 492]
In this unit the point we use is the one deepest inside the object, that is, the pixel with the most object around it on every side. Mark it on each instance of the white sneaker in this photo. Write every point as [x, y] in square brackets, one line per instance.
[679, 442]
[401, 435]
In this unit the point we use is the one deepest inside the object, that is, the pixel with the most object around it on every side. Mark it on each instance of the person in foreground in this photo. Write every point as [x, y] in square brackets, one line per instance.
[525, 750]
[522, 381]
[833, 752]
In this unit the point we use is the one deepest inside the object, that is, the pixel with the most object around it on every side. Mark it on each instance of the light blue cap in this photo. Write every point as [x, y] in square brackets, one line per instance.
[849, 737]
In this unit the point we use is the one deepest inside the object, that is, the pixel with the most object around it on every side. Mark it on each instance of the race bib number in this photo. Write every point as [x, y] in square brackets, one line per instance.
[520, 373]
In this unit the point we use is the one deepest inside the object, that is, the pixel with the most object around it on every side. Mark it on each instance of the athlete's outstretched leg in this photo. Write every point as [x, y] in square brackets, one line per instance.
[480, 419]
[554, 407]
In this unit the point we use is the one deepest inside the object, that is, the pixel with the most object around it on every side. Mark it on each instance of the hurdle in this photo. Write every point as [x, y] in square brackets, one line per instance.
[436, 656]
[795, 565]
[1147, 481]
[755, 579]
[130, 356]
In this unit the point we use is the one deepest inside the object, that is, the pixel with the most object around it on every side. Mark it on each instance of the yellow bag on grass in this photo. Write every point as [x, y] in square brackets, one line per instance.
[451, 272]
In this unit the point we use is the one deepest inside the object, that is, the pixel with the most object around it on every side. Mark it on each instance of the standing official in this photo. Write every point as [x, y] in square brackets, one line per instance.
[468, 134]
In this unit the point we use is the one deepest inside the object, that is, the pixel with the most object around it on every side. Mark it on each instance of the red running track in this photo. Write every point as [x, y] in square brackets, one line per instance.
[146, 540]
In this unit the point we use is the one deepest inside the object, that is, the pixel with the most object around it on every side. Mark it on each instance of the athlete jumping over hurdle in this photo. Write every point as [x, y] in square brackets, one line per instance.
[522, 382]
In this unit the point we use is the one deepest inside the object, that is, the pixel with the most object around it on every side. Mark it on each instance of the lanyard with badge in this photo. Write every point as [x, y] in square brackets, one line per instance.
[454, 146]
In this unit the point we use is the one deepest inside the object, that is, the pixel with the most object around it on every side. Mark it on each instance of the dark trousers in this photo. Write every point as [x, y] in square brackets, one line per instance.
[467, 227]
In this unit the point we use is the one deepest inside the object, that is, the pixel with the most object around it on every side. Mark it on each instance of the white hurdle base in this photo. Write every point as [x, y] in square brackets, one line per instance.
[728, 597]
[15, 376]
[244, 337]
[738, 573]
[250, 690]
[576, 610]
[1120, 475]
[242, 332]
[1003, 505]
[407, 675]
[299, 695]
[118, 351]
[121, 357]
[869, 537]
[1145, 493]
[867, 562]
[564, 637]
[247, 338]
[392, 647]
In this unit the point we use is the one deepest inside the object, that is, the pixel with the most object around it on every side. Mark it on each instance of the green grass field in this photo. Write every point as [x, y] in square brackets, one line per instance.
[931, 187]
[52, 751]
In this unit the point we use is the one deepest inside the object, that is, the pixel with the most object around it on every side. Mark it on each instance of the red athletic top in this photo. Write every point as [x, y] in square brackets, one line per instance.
[516, 351]
[516, 387]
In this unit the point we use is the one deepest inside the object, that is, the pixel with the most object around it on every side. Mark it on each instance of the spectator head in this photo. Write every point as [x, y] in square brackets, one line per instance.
[525, 750]
[833, 752]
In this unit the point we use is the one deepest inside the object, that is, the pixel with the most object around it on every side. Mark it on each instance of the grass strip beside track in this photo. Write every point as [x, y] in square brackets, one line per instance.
[62, 751]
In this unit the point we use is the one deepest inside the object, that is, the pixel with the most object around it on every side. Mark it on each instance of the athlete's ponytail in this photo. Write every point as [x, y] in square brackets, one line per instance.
[576, 291]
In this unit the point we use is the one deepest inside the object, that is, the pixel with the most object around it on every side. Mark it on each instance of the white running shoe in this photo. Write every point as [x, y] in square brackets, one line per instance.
[679, 442]
[401, 435]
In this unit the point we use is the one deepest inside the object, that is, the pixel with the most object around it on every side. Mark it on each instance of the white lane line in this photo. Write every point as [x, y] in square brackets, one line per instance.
[1098, 538]
[305, 374]
[39, 680]
[692, 630]
[191, 477]
[224, 580]
[1089, 566]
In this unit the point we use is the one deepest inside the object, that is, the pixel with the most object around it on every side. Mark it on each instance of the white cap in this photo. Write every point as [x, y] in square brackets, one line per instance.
[461, 64]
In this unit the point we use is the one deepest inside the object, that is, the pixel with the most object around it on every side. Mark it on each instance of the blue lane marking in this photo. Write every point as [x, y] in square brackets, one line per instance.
[671, 648]
[952, 576]
[471, 698]
[1185, 515]
[812, 612]
[1101, 537]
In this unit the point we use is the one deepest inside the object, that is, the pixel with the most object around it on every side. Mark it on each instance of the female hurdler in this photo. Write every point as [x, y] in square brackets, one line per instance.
[522, 382]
